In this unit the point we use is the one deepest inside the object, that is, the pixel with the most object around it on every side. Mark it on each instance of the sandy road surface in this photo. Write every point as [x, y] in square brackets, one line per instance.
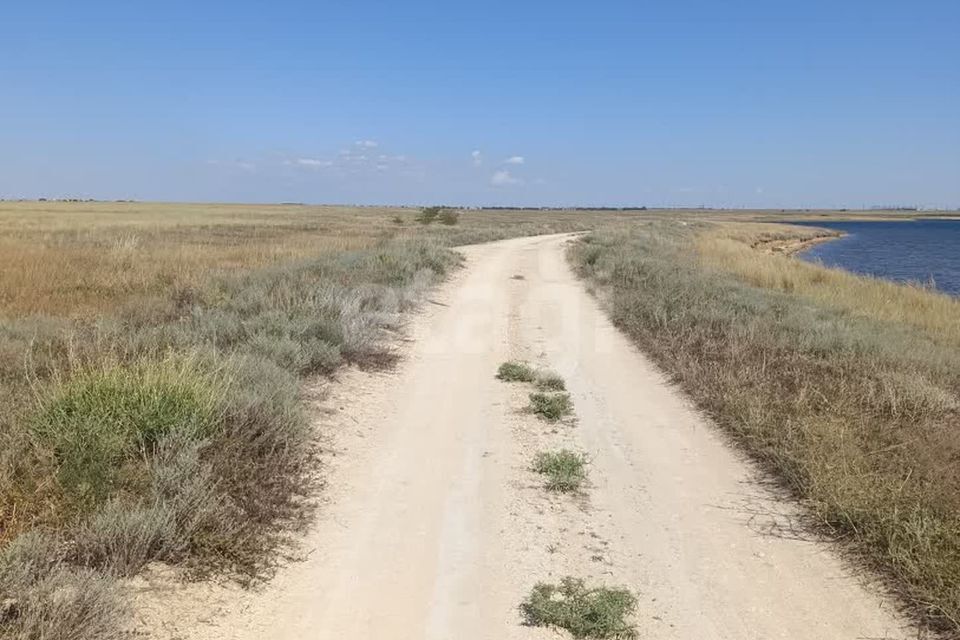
[436, 529]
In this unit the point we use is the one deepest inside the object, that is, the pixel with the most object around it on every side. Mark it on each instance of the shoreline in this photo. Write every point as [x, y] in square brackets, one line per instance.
[791, 247]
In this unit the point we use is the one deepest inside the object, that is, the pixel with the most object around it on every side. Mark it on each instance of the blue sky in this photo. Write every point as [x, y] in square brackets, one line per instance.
[686, 103]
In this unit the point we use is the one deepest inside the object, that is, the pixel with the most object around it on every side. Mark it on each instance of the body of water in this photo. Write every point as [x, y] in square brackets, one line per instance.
[925, 251]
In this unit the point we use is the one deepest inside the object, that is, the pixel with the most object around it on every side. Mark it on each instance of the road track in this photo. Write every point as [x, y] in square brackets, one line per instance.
[434, 527]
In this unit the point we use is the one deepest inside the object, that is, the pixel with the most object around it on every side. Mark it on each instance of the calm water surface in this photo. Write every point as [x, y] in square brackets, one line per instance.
[908, 251]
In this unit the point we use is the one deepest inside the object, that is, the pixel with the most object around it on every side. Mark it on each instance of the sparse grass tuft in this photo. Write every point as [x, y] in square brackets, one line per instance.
[565, 469]
[550, 381]
[551, 406]
[586, 612]
[514, 371]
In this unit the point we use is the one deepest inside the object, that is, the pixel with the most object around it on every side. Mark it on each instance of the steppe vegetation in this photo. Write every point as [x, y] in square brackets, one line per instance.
[586, 612]
[152, 360]
[549, 402]
[565, 470]
[516, 372]
[549, 381]
[551, 407]
[846, 388]
[915, 306]
[155, 363]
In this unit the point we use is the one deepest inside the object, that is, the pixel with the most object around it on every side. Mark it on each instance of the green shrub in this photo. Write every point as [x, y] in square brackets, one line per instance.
[449, 217]
[586, 612]
[551, 406]
[514, 371]
[550, 381]
[101, 424]
[429, 215]
[565, 469]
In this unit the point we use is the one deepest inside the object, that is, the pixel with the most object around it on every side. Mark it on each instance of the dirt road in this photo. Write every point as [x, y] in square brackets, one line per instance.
[436, 528]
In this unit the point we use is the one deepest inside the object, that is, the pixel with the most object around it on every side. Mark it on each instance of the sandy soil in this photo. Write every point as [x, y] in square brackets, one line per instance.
[435, 528]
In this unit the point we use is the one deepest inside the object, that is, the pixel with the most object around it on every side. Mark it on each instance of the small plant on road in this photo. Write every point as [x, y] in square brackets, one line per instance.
[565, 469]
[550, 381]
[514, 371]
[551, 406]
[586, 612]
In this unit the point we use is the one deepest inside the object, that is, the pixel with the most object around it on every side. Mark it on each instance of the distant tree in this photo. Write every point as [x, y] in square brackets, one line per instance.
[429, 215]
[449, 217]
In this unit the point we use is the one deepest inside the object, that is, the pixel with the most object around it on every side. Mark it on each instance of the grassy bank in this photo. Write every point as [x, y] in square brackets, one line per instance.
[846, 388]
[151, 365]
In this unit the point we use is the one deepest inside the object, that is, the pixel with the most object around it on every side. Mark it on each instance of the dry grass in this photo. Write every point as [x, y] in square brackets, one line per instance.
[848, 389]
[88, 258]
[82, 259]
[204, 315]
[729, 248]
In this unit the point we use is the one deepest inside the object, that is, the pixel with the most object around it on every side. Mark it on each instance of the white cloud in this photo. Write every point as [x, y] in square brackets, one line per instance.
[503, 178]
[243, 165]
[514, 160]
[360, 158]
[313, 163]
[477, 157]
